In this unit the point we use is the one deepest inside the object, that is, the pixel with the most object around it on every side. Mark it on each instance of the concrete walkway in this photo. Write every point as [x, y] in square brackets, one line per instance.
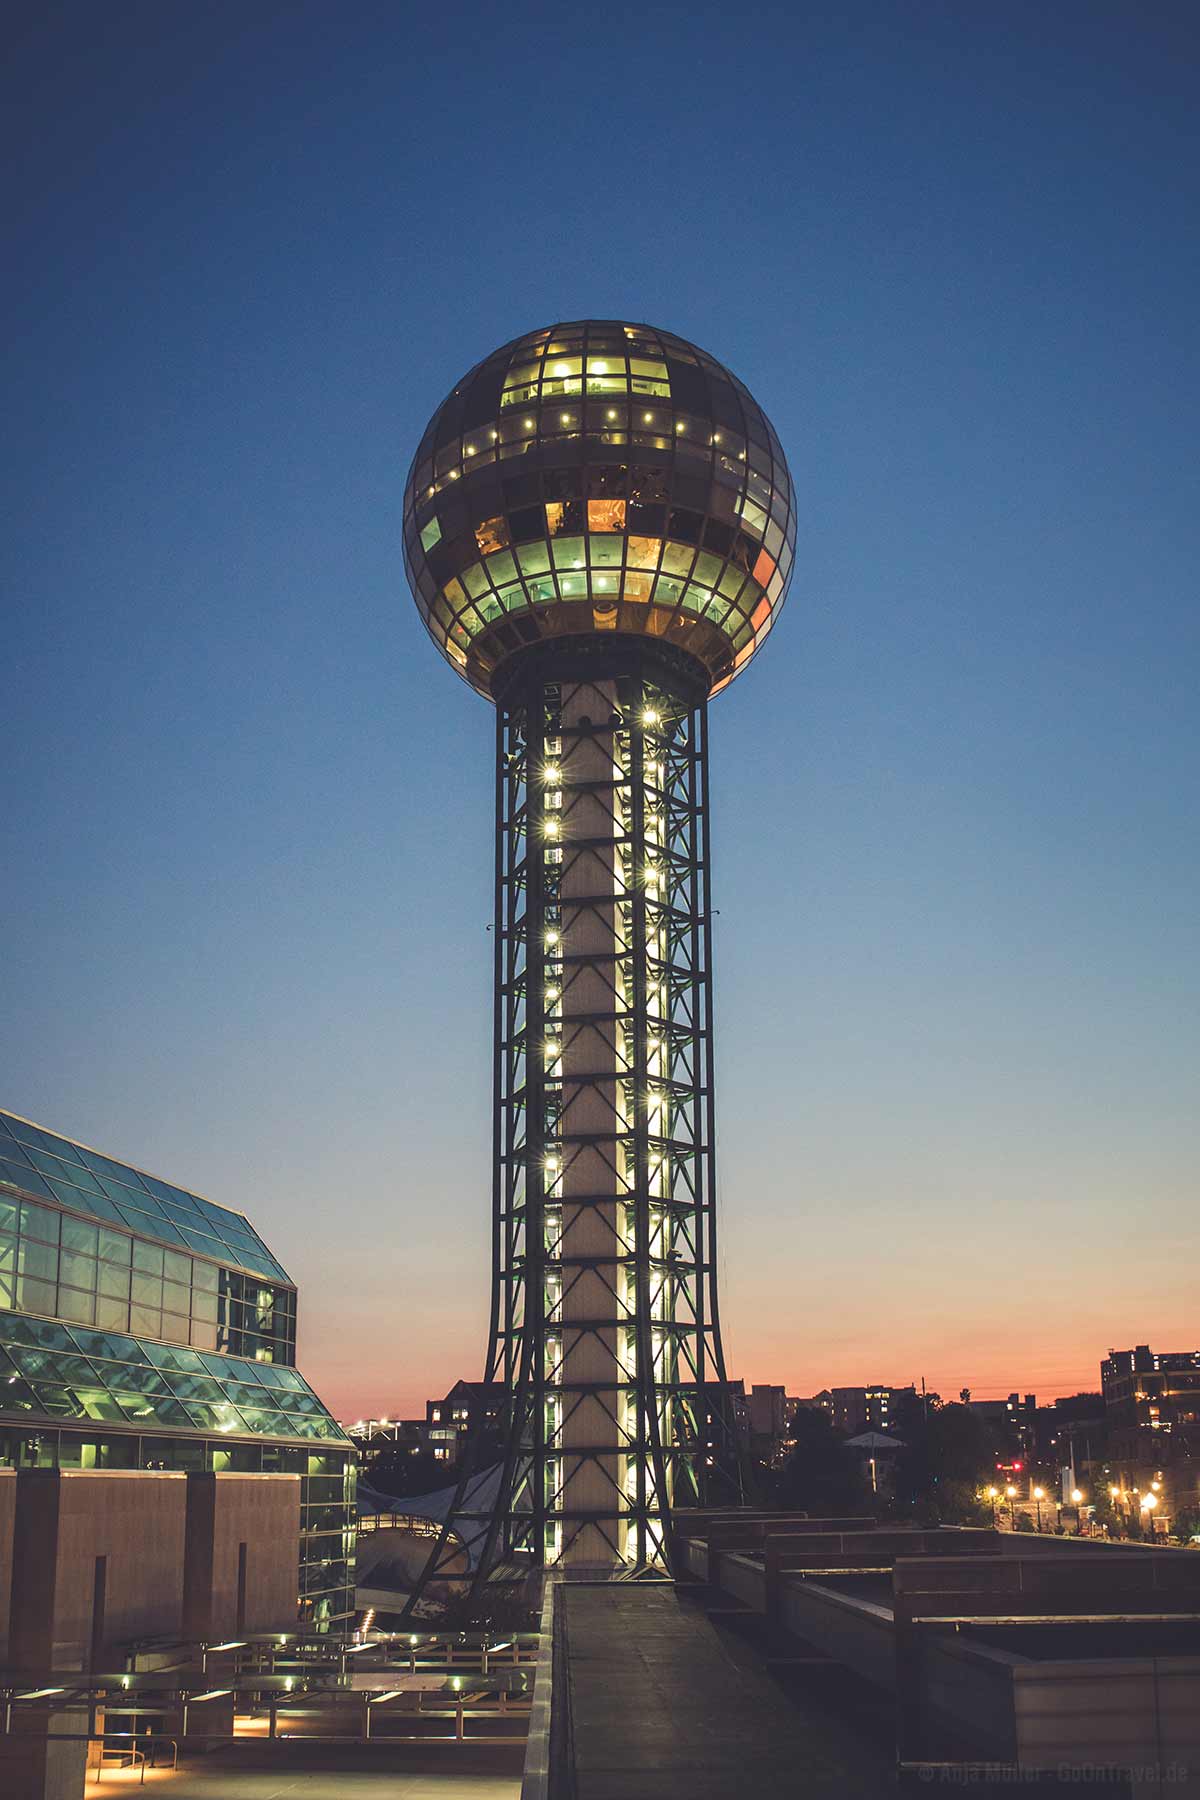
[663, 1707]
[317, 1774]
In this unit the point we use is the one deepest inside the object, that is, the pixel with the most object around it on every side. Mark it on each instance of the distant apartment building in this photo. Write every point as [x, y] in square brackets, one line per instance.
[872, 1408]
[469, 1406]
[1152, 1403]
[768, 1410]
[1015, 1422]
[446, 1427]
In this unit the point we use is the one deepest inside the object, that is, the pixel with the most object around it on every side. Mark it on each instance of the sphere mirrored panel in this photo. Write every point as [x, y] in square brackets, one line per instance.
[599, 477]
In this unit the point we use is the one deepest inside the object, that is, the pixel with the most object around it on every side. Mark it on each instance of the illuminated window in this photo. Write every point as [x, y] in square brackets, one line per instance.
[754, 515]
[431, 535]
[764, 568]
[644, 552]
[605, 515]
[492, 534]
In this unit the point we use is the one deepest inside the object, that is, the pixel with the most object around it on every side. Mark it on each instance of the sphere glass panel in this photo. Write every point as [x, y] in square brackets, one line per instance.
[599, 477]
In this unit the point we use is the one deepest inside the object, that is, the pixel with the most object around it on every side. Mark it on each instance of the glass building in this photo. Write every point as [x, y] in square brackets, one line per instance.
[143, 1327]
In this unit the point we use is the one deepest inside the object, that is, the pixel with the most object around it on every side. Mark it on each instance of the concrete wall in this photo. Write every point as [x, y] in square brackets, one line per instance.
[65, 1520]
[1133, 1711]
[91, 1560]
[229, 1590]
[593, 1179]
[8, 1510]
[851, 1631]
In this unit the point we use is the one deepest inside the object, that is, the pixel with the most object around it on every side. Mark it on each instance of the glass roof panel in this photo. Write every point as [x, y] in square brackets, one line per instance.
[71, 1372]
[90, 1182]
[22, 1175]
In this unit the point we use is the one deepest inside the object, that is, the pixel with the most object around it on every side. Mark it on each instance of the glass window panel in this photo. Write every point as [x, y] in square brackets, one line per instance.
[8, 1250]
[39, 1222]
[112, 1315]
[8, 1289]
[77, 1306]
[291, 1378]
[19, 1397]
[147, 1289]
[201, 1241]
[40, 1260]
[204, 1307]
[268, 1374]
[19, 1175]
[32, 1134]
[145, 1320]
[58, 1402]
[200, 1388]
[165, 1228]
[177, 1266]
[173, 1358]
[115, 1246]
[568, 552]
[70, 1174]
[677, 559]
[605, 551]
[97, 1403]
[114, 1281]
[206, 1276]
[77, 1234]
[104, 1166]
[203, 1334]
[79, 1271]
[148, 1258]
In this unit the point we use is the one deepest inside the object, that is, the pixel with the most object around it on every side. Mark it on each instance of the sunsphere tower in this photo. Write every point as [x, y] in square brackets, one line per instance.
[598, 531]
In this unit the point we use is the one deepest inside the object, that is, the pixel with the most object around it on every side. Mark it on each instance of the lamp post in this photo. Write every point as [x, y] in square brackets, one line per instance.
[1149, 1502]
[991, 1494]
[1011, 1491]
[1039, 1495]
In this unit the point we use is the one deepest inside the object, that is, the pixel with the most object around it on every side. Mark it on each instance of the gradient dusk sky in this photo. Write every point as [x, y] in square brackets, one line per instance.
[954, 252]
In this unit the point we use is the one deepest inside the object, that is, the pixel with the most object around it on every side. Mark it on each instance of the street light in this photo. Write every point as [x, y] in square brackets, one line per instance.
[1011, 1491]
[1039, 1495]
[1149, 1502]
[991, 1494]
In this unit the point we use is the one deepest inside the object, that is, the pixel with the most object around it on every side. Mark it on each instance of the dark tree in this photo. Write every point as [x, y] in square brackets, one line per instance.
[821, 1477]
[947, 1456]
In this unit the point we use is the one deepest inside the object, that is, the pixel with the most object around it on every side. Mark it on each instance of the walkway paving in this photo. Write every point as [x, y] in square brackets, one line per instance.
[318, 1774]
[666, 1707]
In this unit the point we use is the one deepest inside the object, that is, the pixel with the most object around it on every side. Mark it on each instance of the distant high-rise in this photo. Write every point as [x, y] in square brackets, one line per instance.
[599, 530]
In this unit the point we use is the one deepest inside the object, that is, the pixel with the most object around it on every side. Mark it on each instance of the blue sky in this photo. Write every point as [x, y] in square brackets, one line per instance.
[953, 252]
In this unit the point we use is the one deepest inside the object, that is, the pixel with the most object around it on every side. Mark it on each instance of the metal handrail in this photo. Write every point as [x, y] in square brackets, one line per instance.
[135, 1756]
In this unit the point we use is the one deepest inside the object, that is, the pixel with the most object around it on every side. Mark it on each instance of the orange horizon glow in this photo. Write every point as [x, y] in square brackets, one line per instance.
[362, 1394]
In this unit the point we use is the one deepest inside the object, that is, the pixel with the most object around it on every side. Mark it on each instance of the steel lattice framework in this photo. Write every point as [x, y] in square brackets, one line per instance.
[604, 1330]
[599, 533]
